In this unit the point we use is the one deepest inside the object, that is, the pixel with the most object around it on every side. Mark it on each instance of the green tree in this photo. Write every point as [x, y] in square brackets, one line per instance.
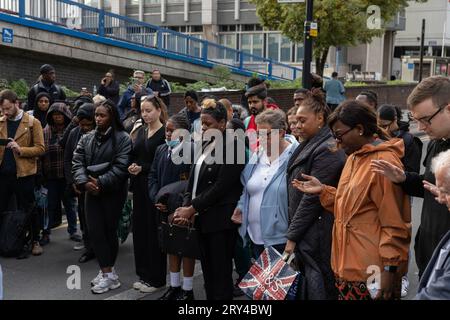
[341, 22]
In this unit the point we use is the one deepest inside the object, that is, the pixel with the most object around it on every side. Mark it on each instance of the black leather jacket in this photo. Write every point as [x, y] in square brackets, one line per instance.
[95, 148]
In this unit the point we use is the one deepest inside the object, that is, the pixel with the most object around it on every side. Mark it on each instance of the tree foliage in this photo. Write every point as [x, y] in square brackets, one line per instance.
[341, 22]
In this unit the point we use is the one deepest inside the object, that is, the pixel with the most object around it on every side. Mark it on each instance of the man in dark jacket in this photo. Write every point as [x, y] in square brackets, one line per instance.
[430, 107]
[160, 86]
[435, 282]
[86, 123]
[46, 84]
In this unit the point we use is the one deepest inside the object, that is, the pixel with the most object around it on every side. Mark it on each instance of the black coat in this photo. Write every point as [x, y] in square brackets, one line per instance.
[310, 226]
[218, 191]
[70, 146]
[110, 92]
[413, 151]
[435, 219]
[164, 171]
[93, 148]
[56, 94]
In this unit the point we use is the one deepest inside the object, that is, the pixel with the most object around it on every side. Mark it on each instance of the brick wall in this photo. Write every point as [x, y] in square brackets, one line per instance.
[396, 95]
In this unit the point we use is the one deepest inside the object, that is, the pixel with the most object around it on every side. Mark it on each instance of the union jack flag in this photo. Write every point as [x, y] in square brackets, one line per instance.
[269, 278]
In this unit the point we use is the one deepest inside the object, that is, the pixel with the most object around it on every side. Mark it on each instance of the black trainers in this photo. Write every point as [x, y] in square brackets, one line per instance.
[186, 295]
[171, 294]
[45, 240]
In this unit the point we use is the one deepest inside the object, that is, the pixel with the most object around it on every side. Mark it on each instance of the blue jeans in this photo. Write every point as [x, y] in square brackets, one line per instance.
[257, 249]
[57, 194]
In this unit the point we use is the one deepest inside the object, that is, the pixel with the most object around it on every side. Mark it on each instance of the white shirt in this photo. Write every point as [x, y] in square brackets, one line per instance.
[256, 186]
[198, 166]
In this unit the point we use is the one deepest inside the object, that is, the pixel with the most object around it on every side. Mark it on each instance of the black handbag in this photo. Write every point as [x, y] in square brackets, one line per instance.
[179, 240]
[97, 170]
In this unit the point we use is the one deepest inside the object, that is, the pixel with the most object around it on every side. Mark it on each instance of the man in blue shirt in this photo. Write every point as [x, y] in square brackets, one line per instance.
[335, 91]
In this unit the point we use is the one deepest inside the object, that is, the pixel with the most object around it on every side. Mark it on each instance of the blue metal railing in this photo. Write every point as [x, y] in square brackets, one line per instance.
[83, 18]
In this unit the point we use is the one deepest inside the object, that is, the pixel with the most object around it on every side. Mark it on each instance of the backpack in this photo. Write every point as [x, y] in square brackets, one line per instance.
[13, 232]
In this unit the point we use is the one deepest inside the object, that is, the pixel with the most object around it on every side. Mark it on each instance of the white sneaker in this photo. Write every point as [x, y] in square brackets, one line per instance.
[405, 286]
[146, 288]
[106, 283]
[78, 247]
[138, 285]
[97, 279]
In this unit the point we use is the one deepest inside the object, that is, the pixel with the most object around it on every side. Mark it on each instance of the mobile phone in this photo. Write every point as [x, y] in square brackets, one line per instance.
[4, 142]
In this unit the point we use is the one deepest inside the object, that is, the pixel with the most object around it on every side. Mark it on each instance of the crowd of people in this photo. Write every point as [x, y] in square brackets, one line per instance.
[329, 182]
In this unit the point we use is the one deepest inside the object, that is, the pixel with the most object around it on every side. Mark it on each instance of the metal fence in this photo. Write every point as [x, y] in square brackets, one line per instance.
[91, 20]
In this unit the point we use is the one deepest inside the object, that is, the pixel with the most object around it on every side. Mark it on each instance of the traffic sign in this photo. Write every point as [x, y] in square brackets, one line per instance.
[7, 35]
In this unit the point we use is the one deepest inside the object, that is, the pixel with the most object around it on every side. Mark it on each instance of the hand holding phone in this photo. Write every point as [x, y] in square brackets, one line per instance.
[4, 142]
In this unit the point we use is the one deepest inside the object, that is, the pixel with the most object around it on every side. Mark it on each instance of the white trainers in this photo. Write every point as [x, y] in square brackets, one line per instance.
[138, 285]
[106, 283]
[405, 286]
[97, 279]
[146, 288]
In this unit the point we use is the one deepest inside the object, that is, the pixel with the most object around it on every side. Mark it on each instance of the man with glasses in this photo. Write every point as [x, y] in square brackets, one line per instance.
[136, 87]
[429, 104]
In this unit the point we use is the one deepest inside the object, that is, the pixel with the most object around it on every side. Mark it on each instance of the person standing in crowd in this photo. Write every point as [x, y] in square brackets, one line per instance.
[262, 210]
[166, 170]
[41, 108]
[150, 261]
[46, 84]
[99, 168]
[109, 87]
[58, 118]
[429, 104]
[335, 91]
[299, 96]
[369, 97]
[192, 110]
[229, 106]
[18, 159]
[86, 123]
[372, 225]
[160, 87]
[389, 119]
[310, 225]
[435, 281]
[136, 87]
[292, 122]
[213, 191]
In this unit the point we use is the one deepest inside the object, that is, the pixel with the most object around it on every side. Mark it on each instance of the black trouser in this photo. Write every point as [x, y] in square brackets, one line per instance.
[23, 190]
[332, 106]
[83, 222]
[217, 250]
[150, 260]
[102, 217]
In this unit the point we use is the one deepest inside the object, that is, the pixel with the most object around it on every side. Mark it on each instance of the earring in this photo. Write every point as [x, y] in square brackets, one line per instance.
[360, 133]
[320, 127]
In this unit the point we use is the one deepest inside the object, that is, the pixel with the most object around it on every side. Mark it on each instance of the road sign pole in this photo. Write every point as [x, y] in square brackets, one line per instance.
[306, 74]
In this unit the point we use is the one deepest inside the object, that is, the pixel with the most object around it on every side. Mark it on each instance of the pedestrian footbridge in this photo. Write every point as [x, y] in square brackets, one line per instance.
[70, 29]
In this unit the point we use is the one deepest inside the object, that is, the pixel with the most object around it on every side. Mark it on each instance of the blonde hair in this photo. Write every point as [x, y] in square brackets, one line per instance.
[98, 100]
[275, 118]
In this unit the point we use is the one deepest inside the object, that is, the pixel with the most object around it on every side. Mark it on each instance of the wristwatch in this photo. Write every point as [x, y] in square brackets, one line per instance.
[392, 269]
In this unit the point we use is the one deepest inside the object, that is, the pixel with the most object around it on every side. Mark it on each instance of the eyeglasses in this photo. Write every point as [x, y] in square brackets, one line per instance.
[338, 137]
[427, 119]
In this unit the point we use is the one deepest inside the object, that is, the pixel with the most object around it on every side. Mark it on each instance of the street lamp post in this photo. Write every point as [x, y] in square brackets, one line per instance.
[306, 74]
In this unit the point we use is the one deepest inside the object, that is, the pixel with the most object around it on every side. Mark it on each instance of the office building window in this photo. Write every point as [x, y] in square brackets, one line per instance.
[300, 53]
[285, 51]
[273, 45]
[258, 44]
[152, 2]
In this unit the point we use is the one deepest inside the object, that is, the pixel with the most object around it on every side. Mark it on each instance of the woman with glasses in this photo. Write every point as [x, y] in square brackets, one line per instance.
[389, 119]
[150, 261]
[262, 211]
[372, 215]
[99, 168]
[310, 227]
[213, 192]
